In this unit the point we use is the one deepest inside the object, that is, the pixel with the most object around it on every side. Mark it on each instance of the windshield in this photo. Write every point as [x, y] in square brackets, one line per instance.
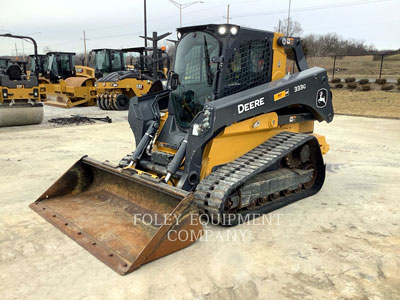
[66, 64]
[3, 63]
[116, 63]
[196, 75]
[52, 66]
[32, 64]
[43, 63]
[102, 60]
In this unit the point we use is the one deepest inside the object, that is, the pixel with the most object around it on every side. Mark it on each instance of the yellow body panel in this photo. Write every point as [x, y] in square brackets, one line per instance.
[83, 71]
[240, 138]
[279, 59]
[322, 143]
[71, 92]
[17, 94]
[130, 86]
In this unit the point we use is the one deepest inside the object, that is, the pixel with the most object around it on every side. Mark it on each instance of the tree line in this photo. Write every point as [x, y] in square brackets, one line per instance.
[325, 44]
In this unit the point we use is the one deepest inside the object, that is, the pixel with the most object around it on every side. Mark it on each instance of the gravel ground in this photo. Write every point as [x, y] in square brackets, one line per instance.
[343, 243]
[51, 112]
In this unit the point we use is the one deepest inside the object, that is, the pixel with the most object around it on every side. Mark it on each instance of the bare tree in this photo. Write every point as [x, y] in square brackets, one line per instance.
[295, 28]
[332, 43]
[80, 59]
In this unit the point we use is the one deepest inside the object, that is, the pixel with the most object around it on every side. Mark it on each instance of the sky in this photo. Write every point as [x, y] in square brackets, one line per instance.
[59, 25]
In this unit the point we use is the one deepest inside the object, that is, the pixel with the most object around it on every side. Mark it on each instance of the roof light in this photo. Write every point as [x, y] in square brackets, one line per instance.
[234, 30]
[222, 30]
[178, 35]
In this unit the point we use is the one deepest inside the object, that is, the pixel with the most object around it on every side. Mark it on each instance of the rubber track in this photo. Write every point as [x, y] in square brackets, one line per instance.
[213, 191]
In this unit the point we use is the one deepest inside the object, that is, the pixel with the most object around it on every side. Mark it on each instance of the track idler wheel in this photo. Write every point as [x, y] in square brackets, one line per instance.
[310, 184]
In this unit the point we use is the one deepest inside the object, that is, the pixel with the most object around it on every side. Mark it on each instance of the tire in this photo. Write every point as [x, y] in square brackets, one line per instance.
[107, 104]
[101, 103]
[122, 102]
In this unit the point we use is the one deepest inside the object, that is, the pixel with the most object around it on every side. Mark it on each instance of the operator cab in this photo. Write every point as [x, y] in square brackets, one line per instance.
[42, 64]
[61, 65]
[107, 61]
[214, 61]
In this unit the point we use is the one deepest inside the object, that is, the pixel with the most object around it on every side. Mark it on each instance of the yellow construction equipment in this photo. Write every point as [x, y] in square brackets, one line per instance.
[139, 78]
[229, 139]
[19, 99]
[65, 84]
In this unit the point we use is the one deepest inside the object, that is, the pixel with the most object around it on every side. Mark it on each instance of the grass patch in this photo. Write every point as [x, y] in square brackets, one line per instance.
[369, 104]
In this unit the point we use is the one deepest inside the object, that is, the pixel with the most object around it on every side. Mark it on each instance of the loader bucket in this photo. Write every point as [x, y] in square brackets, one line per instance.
[123, 219]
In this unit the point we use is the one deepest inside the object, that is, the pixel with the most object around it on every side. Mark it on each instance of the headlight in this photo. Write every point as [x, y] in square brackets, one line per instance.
[5, 93]
[114, 84]
[234, 30]
[96, 85]
[222, 30]
[178, 35]
[35, 93]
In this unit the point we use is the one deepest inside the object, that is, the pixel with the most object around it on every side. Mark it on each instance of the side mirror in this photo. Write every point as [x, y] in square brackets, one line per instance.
[173, 81]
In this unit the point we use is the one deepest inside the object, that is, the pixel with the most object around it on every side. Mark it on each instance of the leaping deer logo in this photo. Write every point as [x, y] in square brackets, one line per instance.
[321, 98]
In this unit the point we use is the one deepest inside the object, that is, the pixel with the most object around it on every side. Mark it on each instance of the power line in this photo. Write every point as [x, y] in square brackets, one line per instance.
[311, 8]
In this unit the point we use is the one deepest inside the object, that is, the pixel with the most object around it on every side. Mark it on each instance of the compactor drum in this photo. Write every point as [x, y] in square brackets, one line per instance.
[231, 138]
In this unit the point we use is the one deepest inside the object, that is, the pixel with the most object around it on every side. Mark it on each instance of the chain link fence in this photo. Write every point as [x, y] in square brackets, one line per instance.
[371, 66]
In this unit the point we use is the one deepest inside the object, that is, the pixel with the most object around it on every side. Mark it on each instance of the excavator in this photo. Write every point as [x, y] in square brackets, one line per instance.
[229, 139]
[19, 99]
[135, 79]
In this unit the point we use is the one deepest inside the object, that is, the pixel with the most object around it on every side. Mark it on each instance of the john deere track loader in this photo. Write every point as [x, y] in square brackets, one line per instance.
[231, 138]
[135, 79]
[19, 99]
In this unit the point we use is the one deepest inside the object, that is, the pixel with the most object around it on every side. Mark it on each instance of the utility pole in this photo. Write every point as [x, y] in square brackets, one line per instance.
[288, 19]
[182, 6]
[84, 46]
[145, 24]
[227, 15]
[16, 51]
[23, 50]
